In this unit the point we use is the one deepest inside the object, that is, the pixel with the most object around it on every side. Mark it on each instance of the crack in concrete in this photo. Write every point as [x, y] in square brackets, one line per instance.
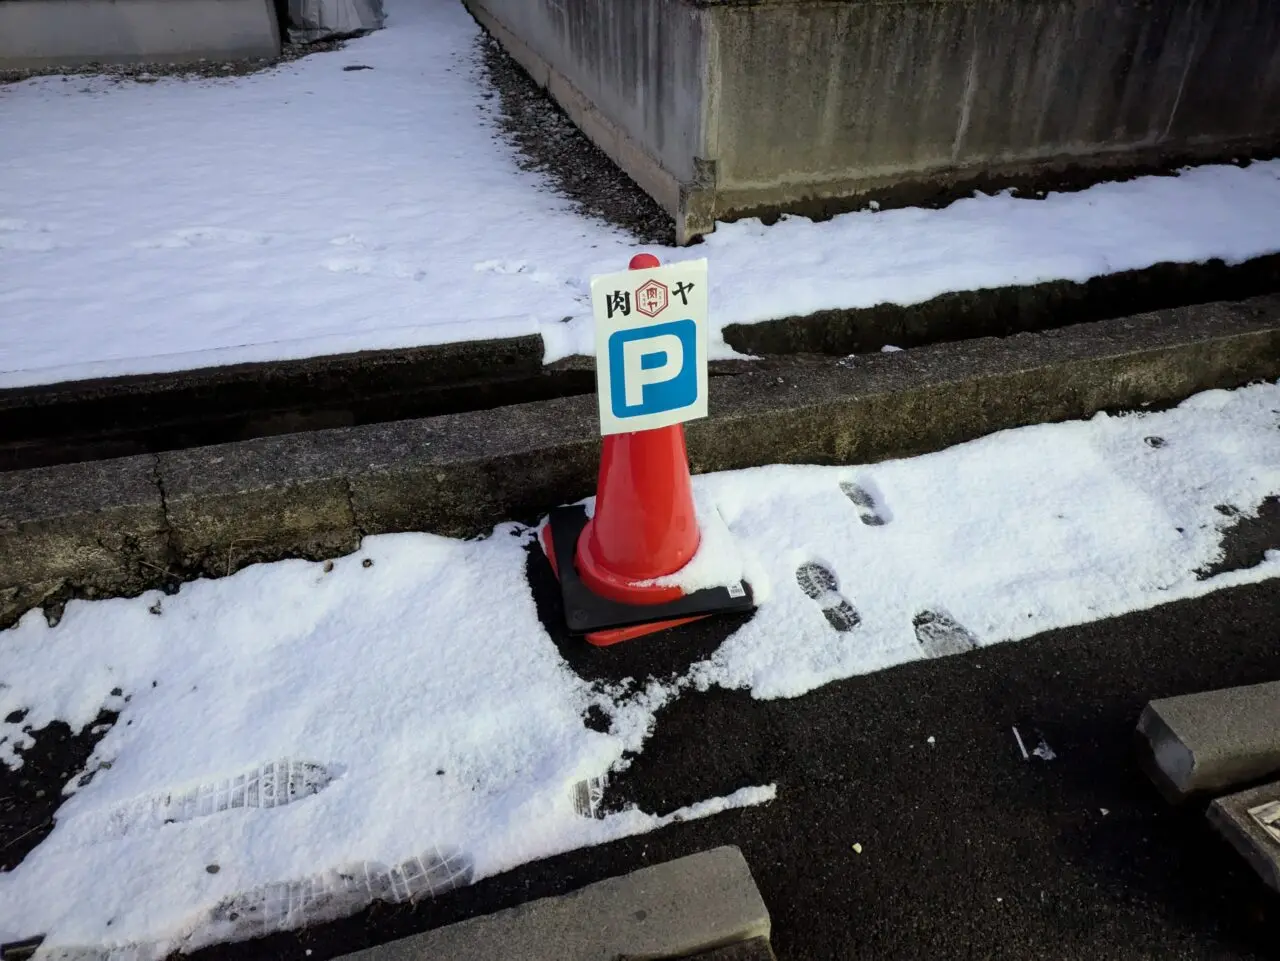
[170, 542]
[351, 506]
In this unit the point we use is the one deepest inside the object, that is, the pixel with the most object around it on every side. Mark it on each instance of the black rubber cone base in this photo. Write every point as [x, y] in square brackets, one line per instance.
[586, 612]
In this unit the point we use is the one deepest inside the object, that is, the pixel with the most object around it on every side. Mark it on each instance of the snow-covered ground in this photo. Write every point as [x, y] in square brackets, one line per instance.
[311, 210]
[298, 739]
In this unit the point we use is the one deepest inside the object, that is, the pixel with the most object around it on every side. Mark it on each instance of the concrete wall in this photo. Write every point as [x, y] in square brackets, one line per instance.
[43, 33]
[832, 99]
[631, 75]
[755, 106]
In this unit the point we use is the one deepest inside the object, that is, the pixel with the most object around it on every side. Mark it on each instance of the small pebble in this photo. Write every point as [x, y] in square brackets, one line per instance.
[328, 566]
[367, 562]
[933, 740]
[857, 849]
[212, 868]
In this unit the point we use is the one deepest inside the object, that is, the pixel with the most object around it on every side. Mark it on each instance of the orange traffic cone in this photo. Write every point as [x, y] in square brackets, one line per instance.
[645, 527]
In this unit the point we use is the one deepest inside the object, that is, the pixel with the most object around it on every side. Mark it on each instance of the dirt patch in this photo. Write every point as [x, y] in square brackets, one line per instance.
[31, 795]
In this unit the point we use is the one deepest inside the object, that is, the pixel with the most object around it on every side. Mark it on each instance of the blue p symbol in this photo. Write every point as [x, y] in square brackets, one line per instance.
[653, 370]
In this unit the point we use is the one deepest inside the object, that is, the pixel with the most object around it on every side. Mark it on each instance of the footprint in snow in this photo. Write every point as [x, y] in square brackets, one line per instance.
[819, 583]
[269, 785]
[941, 634]
[284, 905]
[871, 508]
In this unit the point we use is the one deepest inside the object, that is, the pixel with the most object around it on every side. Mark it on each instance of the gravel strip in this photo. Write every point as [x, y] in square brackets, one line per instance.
[549, 143]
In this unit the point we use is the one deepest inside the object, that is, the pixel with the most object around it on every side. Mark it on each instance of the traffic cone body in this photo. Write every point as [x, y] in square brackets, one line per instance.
[645, 525]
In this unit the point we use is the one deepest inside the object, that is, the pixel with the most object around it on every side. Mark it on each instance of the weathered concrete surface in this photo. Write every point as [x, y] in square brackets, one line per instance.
[47, 424]
[1241, 819]
[915, 401]
[98, 528]
[43, 33]
[461, 476]
[720, 108]
[315, 494]
[1211, 741]
[670, 910]
[269, 498]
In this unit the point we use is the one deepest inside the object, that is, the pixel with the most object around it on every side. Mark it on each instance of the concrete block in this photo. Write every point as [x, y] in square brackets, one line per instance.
[460, 475]
[233, 504]
[98, 528]
[670, 910]
[43, 33]
[1213, 740]
[1250, 821]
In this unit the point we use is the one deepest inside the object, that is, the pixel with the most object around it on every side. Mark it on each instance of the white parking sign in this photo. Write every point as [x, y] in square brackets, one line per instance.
[651, 346]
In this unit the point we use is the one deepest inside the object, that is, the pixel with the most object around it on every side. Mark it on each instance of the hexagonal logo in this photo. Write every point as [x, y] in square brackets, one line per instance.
[651, 298]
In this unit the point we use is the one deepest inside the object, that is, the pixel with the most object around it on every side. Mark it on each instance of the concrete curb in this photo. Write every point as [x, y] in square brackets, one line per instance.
[118, 416]
[91, 419]
[1001, 311]
[1234, 818]
[671, 910]
[1211, 741]
[122, 526]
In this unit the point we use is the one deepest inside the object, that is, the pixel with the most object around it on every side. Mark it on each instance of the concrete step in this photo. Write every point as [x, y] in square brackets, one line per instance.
[672, 910]
[1211, 741]
[1250, 820]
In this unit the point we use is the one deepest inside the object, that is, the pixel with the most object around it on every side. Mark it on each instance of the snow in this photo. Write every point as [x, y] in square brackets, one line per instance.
[294, 742]
[309, 210]
[717, 561]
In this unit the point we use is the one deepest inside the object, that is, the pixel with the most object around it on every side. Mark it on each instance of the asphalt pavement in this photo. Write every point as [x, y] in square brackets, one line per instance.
[964, 848]
[967, 849]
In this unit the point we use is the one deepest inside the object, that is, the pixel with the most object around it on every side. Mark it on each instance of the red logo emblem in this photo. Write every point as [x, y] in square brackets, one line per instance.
[651, 298]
